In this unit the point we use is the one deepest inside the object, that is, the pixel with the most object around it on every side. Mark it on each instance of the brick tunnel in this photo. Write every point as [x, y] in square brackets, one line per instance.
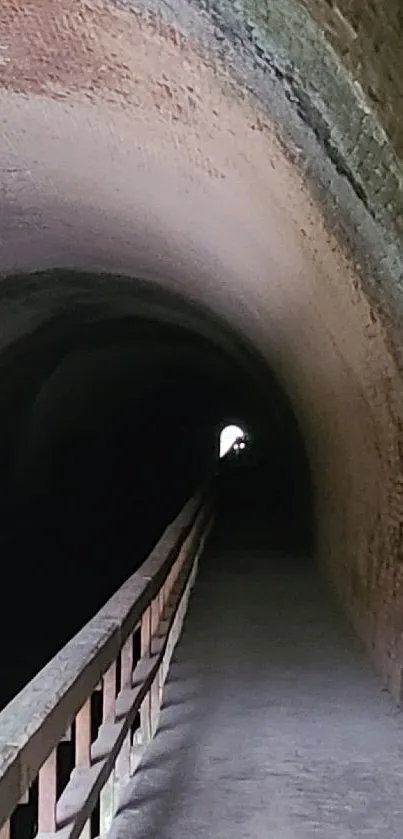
[201, 222]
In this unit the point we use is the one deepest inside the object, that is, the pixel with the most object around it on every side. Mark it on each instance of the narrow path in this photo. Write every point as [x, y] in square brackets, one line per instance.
[273, 724]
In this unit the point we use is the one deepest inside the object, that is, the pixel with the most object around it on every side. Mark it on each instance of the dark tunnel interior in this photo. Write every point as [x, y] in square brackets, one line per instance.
[111, 416]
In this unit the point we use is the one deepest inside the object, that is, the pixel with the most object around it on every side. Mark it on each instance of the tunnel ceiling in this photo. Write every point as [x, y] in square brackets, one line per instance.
[71, 315]
[237, 234]
[110, 350]
[246, 157]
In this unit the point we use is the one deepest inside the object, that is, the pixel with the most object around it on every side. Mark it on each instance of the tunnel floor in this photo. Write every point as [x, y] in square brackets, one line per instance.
[273, 723]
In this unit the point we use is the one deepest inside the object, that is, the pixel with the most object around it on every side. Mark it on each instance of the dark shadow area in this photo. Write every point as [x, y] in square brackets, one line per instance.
[109, 422]
[265, 494]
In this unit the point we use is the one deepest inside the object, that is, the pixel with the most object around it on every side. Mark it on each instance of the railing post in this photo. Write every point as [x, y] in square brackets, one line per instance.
[145, 652]
[83, 735]
[155, 687]
[162, 606]
[83, 749]
[107, 797]
[122, 772]
[47, 794]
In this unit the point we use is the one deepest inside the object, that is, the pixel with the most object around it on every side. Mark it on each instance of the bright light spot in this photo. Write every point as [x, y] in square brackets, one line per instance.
[231, 437]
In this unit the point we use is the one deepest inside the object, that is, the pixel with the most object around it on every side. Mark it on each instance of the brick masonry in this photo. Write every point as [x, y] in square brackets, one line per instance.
[178, 79]
[367, 35]
[340, 62]
[337, 104]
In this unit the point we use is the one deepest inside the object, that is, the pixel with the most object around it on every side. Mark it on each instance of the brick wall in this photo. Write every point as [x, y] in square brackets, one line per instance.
[352, 406]
[368, 36]
[341, 65]
[105, 111]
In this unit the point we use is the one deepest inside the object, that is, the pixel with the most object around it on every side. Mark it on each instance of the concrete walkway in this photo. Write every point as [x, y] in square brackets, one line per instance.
[273, 724]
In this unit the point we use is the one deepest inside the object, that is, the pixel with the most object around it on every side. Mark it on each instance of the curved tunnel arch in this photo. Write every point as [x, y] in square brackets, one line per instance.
[110, 410]
[189, 154]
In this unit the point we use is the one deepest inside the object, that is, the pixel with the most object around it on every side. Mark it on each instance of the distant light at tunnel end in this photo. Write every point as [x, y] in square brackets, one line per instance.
[231, 437]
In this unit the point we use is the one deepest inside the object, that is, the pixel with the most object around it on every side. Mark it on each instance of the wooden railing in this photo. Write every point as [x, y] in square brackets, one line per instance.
[58, 704]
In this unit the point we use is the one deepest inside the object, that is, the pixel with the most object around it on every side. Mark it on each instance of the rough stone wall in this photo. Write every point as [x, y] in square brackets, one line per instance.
[353, 416]
[368, 35]
[187, 149]
[287, 41]
[357, 116]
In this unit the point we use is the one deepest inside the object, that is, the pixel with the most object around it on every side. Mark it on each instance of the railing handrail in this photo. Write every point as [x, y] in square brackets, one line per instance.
[39, 715]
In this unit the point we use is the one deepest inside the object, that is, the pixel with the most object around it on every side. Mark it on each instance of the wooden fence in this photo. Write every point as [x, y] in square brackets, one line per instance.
[57, 705]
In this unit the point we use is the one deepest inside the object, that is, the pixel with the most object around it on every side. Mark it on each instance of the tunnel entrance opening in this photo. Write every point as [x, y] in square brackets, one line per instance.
[261, 184]
[109, 424]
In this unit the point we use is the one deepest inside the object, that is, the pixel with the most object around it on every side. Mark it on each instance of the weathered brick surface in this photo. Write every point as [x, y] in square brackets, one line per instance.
[330, 98]
[368, 36]
[105, 112]
[358, 113]
[357, 444]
